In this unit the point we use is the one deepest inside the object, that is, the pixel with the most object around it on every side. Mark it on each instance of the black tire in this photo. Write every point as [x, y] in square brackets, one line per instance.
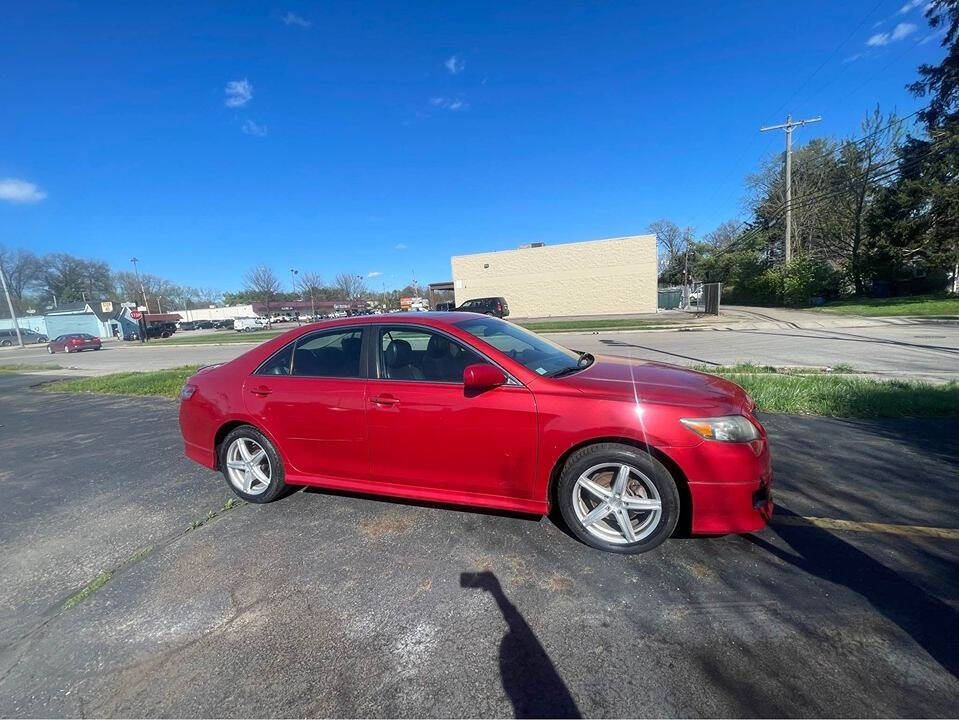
[277, 487]
[614, 453]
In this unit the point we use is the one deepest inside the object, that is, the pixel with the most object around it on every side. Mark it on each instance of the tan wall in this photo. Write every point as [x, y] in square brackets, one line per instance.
[588, 278]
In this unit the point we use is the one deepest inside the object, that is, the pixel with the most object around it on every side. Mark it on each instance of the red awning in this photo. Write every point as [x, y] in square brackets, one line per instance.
[161, 317]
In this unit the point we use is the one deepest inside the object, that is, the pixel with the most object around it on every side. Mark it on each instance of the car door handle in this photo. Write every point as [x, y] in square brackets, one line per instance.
[384, 400]
[262, 391]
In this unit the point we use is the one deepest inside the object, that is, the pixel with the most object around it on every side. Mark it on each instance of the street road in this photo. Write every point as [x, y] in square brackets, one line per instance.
[920, 351]
[333, 604]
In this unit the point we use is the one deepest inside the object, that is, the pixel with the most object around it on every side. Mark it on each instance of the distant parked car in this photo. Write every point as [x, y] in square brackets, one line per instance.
[495, 306]
[204, 325]
[30, 337]
[445, 306]
[223, 324]
[248, 324]
[186, 325]
[73, 342]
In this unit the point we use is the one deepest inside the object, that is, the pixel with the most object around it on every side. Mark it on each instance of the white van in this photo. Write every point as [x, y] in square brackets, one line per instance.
[249, 324]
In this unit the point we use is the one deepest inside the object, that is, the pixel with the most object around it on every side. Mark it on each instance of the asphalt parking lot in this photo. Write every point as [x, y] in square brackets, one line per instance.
[337, 604]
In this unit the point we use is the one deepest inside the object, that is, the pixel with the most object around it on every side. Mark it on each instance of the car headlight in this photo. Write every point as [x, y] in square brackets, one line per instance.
[728, 428]
[186, 392]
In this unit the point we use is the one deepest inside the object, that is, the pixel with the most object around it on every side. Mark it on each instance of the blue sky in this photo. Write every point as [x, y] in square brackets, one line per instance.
[371, 138]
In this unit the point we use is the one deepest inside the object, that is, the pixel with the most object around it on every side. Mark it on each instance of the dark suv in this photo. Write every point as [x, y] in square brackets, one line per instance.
[495, 306]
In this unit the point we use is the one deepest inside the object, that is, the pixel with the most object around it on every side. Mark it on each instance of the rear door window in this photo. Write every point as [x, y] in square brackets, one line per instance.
[330, 353]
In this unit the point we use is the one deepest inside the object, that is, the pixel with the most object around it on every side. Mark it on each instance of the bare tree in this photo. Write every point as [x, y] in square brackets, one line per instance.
[862, 165]
[24, 272]
[311, 285]
[261, 282]
[669, 238]
[724, 234]
[350, 285]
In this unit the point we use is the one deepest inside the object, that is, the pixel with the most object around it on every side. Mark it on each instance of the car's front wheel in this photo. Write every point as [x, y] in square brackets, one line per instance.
[618, 498]
[251, 465]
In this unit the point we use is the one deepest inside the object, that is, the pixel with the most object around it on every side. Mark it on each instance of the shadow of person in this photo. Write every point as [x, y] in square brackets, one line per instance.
[529, 678]
[933, 624]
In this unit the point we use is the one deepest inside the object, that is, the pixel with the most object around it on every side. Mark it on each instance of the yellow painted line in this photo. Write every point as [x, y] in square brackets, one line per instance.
[872, 527]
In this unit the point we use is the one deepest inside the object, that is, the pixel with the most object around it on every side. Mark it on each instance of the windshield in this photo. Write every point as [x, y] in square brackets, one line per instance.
[534, 351]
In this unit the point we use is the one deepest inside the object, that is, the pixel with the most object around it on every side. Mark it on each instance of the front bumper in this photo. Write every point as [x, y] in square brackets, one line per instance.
[730, 485]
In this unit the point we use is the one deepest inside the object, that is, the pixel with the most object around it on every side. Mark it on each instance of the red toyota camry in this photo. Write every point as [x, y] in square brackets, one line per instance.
[469, 409]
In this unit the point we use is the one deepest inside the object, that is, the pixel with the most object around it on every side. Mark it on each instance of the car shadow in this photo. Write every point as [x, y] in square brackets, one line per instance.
[933, 624]
[529, 677]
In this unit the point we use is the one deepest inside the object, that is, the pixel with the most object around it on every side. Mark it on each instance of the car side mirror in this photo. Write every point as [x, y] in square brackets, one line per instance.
[481, 376]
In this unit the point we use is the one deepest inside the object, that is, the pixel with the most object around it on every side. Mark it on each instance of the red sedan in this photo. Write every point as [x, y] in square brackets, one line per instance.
[74, 342]
[463, 408]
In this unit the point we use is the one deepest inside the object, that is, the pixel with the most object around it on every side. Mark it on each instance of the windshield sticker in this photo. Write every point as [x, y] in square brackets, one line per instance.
[541, 371]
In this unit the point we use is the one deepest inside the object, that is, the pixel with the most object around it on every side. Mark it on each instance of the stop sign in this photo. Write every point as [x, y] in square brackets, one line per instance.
[136, 314]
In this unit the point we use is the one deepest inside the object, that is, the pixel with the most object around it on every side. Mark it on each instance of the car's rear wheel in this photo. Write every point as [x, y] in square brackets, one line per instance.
[618, 498]
[251, 465]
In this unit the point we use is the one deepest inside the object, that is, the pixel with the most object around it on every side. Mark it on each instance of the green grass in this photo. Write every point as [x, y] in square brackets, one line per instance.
[163, 383]
[87, 590]
[924, 305]
[837, 395]
[13, 369]
[224, 337]
[802, 391]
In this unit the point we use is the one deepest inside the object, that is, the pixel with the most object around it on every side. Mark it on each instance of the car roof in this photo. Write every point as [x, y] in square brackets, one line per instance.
[406, 318]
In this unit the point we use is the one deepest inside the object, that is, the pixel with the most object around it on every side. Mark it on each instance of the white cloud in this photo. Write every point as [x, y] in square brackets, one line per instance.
[901, 31]
[454, 65]
[20, 192]
[291, 18]
[452, 104]
[374, 273]
[252, 128]
[852, 58]
[238, 93]
[910, 6]
[400, 246]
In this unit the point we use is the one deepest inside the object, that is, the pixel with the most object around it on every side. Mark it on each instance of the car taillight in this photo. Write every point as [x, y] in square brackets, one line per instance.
[499, 307]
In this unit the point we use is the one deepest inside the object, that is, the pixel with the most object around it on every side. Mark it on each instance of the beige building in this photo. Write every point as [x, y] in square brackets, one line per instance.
[600, 277]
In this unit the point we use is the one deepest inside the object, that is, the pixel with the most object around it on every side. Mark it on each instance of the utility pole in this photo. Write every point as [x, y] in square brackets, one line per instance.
[789, 126]
[142, 291]
[686, 277]
[13, 315]
[293, 274]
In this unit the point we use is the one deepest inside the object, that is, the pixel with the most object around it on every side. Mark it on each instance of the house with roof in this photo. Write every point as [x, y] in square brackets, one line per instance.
[95, 318]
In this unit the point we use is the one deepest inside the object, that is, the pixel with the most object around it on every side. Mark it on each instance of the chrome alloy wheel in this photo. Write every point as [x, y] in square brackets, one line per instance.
[248, 466]
[617, 503]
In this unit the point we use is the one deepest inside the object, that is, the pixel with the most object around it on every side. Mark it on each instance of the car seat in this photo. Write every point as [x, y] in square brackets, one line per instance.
[399, 361]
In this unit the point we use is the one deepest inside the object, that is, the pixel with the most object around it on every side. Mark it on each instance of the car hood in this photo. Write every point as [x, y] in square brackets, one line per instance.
[654, 382]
